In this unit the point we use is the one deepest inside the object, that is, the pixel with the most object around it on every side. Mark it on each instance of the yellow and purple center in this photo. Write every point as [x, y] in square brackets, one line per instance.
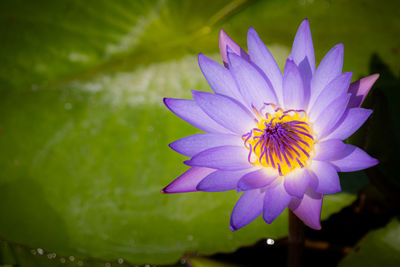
[281, 139]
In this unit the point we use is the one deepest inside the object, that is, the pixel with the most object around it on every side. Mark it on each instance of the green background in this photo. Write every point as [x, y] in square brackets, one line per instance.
[84, 133]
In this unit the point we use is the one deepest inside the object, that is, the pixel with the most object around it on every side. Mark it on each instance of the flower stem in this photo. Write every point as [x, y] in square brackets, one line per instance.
[296, 241]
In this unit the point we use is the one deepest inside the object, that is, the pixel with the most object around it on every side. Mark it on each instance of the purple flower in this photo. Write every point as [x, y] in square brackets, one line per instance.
[275, 137]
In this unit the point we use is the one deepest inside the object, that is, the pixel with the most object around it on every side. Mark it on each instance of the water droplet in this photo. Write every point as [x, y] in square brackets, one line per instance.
[71, 258]
[147, 265]
[80, 263]
[108, 264]
[120, 260]
[270, 241]
[33, 252]
[50, 256]
[62, 260]
[40, 251]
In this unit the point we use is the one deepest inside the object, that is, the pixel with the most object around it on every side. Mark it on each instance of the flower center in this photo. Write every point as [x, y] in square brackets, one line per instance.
[282, 140]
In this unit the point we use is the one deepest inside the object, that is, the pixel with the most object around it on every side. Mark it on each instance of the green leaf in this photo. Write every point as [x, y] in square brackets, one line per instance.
[205, 262]
[93, 166]
[84, 133]
[378, 248]
[21, 255]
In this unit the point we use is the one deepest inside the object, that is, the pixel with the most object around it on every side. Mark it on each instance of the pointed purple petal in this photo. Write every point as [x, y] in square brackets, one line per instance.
[330, 116]
[219, 78]
[329, 150]
[332, 91]
[275, 201]
[296, 182]
[359, 90]
[194, 144]
[260, 55]
[221, 181]
[330, 67]
[257, 179]
[326, 179]
[303, 49]
[252, 85]
[308, 209]
[351, 120]
[188, 181]
[355, 160]
[247, 209]
[303, 54]
[293, 89]
[190, 112]
[224, 42]
[224, 110]
[228, 158]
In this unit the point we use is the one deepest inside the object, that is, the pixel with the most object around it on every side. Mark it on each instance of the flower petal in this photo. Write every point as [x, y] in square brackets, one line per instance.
[296, 182]
[221, 181]
[330, 116]
[225, 111]
[303, 49]
[247, 209]
[190, 112]
[336, 88]
[275, 201]
[194, 144]
[228, 158]
[260, 55]
[308, 209]
[359, 90]
[355, 160]
[293, 88]
[188, 181]
[351, 120]
[303, 54]
[329, 150]
[252, 85]
[257, 179]
[224, 42]
[330, 67]
[325, 179]
[219, 78]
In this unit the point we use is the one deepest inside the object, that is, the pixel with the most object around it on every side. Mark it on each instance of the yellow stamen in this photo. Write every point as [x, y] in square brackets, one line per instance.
[282, 140]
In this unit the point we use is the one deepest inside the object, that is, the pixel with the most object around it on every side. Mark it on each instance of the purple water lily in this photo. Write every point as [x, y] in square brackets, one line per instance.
[277, 138]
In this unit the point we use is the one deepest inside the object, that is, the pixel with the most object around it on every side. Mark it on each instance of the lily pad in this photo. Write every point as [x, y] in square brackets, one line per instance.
[378, 248]
[84, 134]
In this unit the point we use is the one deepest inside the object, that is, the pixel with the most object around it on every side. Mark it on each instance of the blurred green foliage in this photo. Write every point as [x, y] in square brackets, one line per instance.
[84, 133]
[378, 248]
